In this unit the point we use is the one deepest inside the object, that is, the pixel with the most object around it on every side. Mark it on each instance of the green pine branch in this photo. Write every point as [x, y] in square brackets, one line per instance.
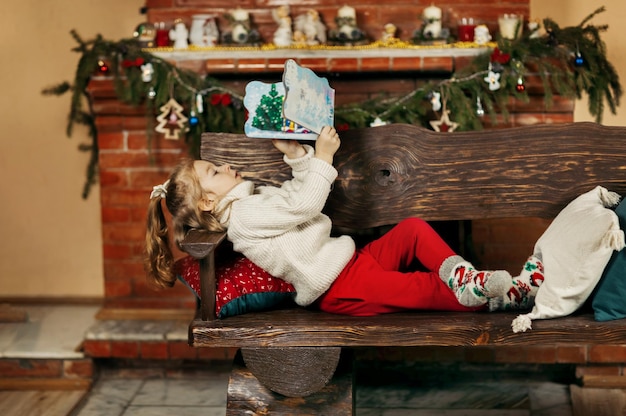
[550, 56]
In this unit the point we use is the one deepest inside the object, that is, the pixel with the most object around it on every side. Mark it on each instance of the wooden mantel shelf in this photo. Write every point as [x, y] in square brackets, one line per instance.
[327, 60]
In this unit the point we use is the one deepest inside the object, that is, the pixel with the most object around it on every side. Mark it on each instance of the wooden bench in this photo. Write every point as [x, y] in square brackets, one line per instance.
[386, 174]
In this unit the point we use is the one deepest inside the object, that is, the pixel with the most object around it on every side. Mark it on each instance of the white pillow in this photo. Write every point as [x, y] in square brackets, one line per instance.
[574, 249]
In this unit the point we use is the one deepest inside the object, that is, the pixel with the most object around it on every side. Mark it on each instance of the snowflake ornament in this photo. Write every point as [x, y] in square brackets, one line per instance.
[493, 79]
[147, 70]
[378, 122]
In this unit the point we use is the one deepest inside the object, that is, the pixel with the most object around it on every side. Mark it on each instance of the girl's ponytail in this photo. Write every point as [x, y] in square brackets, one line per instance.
[158, 260]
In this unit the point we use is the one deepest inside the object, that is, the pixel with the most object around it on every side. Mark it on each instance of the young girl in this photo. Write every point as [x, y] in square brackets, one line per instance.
[283, 231]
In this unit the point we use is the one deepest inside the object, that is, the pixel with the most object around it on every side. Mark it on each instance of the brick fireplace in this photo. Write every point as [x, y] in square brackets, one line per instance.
[128, 167]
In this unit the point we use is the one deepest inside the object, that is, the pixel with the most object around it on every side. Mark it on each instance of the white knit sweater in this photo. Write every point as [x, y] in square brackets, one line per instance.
[284, 231]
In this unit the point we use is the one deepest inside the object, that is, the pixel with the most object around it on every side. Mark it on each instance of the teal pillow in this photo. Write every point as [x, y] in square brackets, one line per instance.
[609, 301]
[242, 286]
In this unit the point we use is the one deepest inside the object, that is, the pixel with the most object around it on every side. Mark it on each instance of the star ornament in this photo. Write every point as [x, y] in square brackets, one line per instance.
[444, 124]
[378, 122]
[493, 79]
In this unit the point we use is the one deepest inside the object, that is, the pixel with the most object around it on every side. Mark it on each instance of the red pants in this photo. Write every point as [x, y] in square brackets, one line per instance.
[378, 278]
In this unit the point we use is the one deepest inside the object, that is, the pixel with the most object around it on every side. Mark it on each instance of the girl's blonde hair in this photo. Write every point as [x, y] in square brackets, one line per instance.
[183, 194]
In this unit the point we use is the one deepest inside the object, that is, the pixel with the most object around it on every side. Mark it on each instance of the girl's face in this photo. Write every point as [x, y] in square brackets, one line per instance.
[215, 181]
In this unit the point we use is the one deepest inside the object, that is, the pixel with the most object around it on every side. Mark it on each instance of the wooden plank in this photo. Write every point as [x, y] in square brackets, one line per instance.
[44, 384]
[39, 403]
[606, 382]
[199, 244]
[396, 171]
[306, 328]
[597, 402]
[144, 314]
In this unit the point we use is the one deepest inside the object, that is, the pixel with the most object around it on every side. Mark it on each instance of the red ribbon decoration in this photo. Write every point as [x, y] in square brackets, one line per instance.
[223, 99]
[127, 63]
[499, 57]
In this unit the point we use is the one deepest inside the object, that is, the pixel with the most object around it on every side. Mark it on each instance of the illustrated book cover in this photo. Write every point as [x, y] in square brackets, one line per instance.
[296, 108]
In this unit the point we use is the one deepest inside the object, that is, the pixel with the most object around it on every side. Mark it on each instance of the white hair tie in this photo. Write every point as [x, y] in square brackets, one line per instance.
[160, 191]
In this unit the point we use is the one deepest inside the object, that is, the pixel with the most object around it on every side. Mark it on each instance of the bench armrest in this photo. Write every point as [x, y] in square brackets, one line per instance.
[201, 245]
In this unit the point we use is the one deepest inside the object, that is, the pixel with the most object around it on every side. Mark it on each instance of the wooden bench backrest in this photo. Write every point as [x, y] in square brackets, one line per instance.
[392, 172]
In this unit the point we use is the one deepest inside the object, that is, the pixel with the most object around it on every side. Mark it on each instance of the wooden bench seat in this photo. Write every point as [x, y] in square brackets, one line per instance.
[302, 328]
[386, 174]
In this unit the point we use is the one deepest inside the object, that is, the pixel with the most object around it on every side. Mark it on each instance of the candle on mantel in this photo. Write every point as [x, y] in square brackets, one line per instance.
[240, 15]
[509, 25]
[347, 12]
[466, 29]
[432, 16]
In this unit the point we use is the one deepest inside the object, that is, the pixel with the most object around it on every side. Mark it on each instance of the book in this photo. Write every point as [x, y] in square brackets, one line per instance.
[295, 108]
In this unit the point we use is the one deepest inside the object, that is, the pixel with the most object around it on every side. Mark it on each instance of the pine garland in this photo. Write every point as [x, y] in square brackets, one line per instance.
[571, 61]
[551, 56]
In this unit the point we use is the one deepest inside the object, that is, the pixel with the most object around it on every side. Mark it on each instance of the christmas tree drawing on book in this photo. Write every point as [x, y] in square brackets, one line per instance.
[296, 108]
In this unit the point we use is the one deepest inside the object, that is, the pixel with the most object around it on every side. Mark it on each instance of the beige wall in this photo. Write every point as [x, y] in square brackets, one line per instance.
[51, 243]
[571, 13]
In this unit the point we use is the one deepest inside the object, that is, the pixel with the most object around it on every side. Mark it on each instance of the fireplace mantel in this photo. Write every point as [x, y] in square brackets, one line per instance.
[246, 60]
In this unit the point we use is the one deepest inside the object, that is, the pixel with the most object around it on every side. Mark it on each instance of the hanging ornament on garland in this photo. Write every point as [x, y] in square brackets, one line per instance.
[493, 79]
[103, 68]
[435, 100]
[171, 120]
[196, 105]
[193, 119]
[518, 68]
[578, 60]
[444, 125]
[480, 111]
[199, 103]
[497, 60]
[147, 70]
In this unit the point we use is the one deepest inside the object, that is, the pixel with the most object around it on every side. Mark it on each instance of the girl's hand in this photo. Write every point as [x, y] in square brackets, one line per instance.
[327, 144]
[290, 148]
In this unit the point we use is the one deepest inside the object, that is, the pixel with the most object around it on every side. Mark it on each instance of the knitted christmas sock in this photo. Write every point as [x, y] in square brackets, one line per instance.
[473, 287]
[523, 288]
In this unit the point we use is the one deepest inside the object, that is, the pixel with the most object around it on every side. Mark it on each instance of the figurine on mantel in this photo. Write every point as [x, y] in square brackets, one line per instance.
[481, 35]
[145, 34]
[283, 36]
[534, 27]
[310, 25]
[179, 35]
[241, 30]
[347, 31]
[389, 33]
[203, 30]
[299, 39]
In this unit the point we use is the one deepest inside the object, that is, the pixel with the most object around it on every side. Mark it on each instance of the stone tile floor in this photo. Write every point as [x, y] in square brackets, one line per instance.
[144, 393]
[57, 331]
